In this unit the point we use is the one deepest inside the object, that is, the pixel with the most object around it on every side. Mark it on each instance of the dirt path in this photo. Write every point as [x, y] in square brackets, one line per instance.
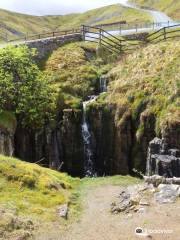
[97, 223]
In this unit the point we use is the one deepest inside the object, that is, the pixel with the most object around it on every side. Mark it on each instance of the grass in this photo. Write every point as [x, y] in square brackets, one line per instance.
[141, 74]
[26, 188]
[30, 196]
[171, 7]
[74, 70]
[16, 25]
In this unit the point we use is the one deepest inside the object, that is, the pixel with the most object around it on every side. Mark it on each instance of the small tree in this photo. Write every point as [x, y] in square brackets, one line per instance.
[23, 87]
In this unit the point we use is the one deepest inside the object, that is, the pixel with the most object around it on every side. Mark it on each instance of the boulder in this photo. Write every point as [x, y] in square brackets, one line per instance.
[161, 160]
[63, 211]
[167, 193]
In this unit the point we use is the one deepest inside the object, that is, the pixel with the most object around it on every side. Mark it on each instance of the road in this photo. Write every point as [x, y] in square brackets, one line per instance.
[156, 15]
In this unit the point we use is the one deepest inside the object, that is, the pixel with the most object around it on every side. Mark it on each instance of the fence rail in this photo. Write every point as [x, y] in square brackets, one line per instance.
[120, 44]
[43, 35]
[164, 33]
[104, 35]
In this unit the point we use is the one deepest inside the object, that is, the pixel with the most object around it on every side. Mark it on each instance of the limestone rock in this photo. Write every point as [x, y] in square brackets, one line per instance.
[161, 160]
[63, 211]
[167, 193]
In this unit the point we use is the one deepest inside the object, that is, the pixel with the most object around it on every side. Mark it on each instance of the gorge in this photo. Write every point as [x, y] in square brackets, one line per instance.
[103, 128]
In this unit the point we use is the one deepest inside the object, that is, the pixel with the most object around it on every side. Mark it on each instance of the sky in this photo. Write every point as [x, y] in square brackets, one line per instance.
[53, 7]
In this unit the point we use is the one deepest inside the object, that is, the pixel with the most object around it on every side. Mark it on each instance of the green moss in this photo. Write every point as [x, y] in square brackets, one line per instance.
[74, 70]
[26, 187]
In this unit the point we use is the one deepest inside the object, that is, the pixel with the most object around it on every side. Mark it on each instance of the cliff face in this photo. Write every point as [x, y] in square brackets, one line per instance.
[7, 131]
[6, 143]
[60, 147]
[111, 140]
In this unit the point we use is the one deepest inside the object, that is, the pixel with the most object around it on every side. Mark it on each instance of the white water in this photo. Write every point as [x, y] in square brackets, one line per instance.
[103, 84]
[89, 170]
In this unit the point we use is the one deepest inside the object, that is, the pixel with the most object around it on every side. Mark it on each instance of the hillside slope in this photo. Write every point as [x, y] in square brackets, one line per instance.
[170, 7]
[31, 196]
[15, 24]
[144, 91]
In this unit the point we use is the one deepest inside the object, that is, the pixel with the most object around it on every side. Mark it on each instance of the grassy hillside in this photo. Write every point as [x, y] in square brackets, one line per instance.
[171, 7]
[30, 193]
[143, 82]
[15, 24]
[74, 70]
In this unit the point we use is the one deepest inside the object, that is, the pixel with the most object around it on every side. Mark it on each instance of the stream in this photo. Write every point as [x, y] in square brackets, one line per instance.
[89, 168]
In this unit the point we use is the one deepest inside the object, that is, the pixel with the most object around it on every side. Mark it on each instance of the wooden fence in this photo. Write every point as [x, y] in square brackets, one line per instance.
[118, 44]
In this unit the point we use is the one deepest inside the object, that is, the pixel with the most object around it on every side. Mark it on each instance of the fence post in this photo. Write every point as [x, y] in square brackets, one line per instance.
[83, 33]
[100, 36]
[120, 29]
[136, 27]
[164, 33]
[120, 46]
[6, 37]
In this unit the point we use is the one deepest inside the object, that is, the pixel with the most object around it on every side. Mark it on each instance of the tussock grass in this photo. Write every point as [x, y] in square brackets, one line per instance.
[148, 80]
[32, 190]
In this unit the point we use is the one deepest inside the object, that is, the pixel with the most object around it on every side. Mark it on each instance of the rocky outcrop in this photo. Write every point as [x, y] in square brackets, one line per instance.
[162, 160]
[72, 142]
[111, 139]
[6, 142]
[60, 147]
[141, 138]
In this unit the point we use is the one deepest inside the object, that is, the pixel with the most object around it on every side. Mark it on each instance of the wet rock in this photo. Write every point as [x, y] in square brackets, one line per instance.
[63, 211]
[167, 193]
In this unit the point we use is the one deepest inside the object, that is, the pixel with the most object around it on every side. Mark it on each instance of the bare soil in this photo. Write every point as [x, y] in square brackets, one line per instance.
[98, 223]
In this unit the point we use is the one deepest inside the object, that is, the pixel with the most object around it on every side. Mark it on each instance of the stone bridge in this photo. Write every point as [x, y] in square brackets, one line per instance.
[47, 45]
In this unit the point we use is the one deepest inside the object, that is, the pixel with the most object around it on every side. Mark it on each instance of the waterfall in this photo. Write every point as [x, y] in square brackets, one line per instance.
[87, 139]
[86, 134]
[103, 83]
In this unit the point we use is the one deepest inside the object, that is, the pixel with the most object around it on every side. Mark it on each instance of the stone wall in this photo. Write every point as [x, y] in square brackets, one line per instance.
[46, 46]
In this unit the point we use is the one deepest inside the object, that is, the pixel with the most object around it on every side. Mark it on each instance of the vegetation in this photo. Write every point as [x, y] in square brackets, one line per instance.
[74, 70]
[24, 90]
[171, 7]
[140, 75]
[30, 193]
[16, 25]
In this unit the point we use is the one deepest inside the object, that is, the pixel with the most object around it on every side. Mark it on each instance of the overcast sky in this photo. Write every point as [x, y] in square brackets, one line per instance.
[44, 7]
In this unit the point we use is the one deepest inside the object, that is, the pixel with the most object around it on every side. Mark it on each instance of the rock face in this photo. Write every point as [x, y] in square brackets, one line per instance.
[111, 140]
[6, 142]
[162, 160]
[60, 147]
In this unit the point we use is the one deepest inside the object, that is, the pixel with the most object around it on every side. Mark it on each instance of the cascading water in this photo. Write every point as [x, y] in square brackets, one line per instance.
[88, 151]
[89, 170]
[103, 83]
